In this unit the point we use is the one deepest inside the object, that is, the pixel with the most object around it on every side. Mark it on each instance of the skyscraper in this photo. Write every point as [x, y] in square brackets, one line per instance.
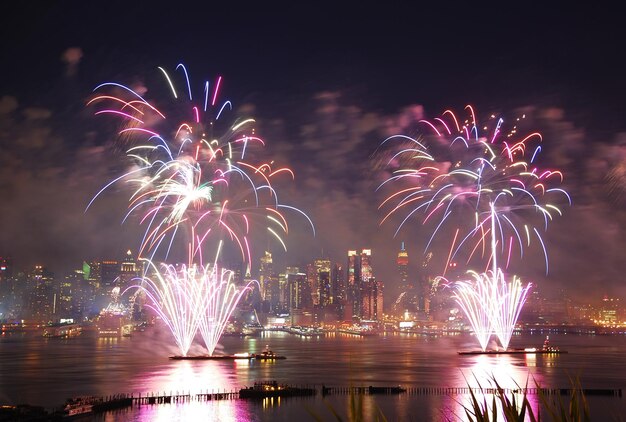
[403, 265]
[372, 300]
[359, 271]
[270, 287]
[319, 280]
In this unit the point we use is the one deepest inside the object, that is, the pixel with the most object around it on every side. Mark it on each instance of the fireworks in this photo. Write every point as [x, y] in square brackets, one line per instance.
[488, 187]
[187, 180]
[191, 299]
[215, 190]
[491, 305]
[453, 176]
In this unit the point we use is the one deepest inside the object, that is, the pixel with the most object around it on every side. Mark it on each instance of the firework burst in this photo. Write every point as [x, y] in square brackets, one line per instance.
[191, 299]
[215, 190]
[453, 176]
[187, 180]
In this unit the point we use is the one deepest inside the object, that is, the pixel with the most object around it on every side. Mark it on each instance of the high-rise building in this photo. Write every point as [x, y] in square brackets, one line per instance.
[337, 284]
[318, 275]
[130, 269]
[407, 301]
[372, 301]
[402, 263]
[325, 297]
[109, 273]
[6, 286]
[40, 305]
[270, 286]
[299, 295]
[359, 271]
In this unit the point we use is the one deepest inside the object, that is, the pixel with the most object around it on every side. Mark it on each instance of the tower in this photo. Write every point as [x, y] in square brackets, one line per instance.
[402, 263]
[359, 272]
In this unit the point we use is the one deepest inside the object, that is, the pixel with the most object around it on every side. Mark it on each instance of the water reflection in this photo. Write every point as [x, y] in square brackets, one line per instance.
[485, 373]
[192, 378]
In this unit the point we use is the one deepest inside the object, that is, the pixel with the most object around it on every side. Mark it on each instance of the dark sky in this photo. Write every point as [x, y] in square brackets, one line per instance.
[326, 83]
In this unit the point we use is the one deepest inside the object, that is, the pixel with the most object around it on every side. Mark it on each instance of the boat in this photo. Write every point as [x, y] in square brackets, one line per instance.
[87, 405]
[546, 349]
[62, 331]
[267, 354]
[264, 389]
[82, 405]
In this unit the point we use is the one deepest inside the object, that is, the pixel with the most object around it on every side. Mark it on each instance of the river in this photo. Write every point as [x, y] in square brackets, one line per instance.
[47, 371]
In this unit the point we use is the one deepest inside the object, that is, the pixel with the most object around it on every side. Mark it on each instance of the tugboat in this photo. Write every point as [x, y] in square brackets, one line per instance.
[267, 354]
[265, 389]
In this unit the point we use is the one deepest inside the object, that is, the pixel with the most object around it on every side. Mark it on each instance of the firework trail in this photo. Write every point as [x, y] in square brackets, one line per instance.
[220, 298]
[452, 175]
[191, 299]
[507, 304]
[490, 189]
[187, 180]
[175, 296]
[472, 296]
[491, 305]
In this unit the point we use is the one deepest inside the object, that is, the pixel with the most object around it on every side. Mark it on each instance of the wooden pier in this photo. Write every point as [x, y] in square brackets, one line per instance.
[449, 391]
[203, 396]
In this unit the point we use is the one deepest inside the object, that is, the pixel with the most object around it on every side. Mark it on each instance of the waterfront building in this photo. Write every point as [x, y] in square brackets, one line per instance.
[318, 275]
[372, 300]
[337, 285]
[402, 263]
[358, 272]
[41, 294]
[265, 278]
[129, 270]
[6, 287]
[270, 286]
[299, 295]
[109, 275]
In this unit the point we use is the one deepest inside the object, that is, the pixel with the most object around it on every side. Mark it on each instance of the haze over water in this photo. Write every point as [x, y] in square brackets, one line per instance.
[46, 372]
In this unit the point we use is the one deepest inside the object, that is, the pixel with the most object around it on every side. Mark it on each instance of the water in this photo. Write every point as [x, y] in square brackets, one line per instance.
[46, 372]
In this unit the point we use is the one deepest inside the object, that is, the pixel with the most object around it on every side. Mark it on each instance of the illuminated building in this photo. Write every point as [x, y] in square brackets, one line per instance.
[270, 286]
[359, 271]
[407, 300]
[40, 305]
[6, 269]
[318, 275]
[129, 269]
[372, 300]
[402, 263]
[299, 295]
[6, 286]
[337, 285]
[109, 273]
[608, 314]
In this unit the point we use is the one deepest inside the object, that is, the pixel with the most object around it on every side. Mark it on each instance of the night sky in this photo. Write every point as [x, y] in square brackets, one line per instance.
[326, 85]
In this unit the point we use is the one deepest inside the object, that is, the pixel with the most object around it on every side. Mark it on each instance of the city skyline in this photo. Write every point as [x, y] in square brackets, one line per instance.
[322, 113]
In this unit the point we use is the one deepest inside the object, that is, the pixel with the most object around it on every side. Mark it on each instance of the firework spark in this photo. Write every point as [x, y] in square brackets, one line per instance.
[452, 176]
[187, 180]
[491, 190]
[220, 298]
[191, 299]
